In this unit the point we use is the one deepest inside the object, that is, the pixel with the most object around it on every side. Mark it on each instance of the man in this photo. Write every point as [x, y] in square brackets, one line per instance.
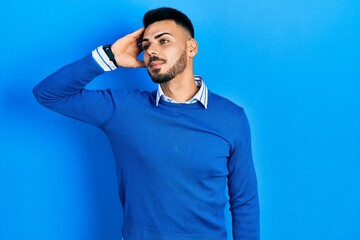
[175, 148]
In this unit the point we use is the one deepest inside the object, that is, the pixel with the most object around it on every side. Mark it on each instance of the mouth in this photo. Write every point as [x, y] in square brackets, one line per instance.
[156, 64]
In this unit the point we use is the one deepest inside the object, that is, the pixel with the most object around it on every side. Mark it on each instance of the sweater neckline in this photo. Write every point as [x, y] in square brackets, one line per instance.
[196, 105]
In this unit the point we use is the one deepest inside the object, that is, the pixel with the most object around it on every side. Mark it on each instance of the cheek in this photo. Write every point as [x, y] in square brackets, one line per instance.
[146, 58]
[172, 54]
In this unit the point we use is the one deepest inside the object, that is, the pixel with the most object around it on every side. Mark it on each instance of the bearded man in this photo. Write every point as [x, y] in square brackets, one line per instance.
[175, 148]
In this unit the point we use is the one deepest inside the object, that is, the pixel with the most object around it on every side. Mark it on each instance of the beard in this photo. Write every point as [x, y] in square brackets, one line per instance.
[175, 70]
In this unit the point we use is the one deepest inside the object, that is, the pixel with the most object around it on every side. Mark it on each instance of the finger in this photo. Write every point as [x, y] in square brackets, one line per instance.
[139, 50]
[138, 33]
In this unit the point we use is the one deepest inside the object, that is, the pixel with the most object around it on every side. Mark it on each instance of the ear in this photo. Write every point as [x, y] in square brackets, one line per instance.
[192, 47]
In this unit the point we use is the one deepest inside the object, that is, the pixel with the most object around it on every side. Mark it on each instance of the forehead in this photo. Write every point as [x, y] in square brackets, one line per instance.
[159, 27]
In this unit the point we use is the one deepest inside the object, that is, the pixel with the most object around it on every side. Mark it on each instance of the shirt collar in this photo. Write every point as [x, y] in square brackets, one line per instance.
[201, 96]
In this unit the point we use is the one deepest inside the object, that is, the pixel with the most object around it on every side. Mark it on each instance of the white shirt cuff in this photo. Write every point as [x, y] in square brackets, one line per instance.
[103, 60]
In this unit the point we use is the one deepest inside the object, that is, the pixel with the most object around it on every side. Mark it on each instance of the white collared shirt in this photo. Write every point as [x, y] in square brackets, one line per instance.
[201, 95]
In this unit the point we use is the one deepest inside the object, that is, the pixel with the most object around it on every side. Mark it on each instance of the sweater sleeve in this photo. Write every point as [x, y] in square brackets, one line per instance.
[64, 92]
[242, 185]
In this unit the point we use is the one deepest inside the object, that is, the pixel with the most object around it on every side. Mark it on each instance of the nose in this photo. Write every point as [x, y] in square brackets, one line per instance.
[152, 50]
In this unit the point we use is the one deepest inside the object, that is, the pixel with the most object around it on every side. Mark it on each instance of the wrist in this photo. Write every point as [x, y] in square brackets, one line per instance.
[110, 54]
[102, 58]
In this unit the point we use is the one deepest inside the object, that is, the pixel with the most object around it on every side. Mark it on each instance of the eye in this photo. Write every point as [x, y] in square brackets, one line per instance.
[163, 41]
[146, 46]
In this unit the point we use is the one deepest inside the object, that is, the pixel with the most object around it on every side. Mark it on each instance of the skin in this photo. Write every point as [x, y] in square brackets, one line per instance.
[166, 42]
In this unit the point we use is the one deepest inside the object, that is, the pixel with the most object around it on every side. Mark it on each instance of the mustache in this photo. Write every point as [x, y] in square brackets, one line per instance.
[155, 58]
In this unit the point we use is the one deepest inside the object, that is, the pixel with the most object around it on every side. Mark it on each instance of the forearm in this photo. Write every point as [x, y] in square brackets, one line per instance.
[245, 218]
[244, 206]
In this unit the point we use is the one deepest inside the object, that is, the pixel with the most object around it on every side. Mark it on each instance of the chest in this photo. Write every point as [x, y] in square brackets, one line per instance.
[173, 141]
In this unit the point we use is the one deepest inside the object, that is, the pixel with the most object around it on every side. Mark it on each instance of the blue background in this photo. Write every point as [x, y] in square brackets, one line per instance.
[293, 66]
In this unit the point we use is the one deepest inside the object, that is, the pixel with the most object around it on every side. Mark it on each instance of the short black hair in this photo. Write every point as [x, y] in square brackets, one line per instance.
[166, 13]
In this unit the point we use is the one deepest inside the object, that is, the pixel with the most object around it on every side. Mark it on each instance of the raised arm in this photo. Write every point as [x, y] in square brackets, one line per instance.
[64, 91]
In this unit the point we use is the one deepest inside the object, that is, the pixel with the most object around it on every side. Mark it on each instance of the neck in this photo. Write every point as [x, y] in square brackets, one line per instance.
[182, 88]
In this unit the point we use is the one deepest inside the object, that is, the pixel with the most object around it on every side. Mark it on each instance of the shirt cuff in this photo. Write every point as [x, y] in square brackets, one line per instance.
[103, 60]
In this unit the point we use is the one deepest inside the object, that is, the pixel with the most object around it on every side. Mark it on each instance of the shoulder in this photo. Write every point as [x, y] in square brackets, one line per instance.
[141, 94]
[223, 105]
[133, 96]
[231, 116]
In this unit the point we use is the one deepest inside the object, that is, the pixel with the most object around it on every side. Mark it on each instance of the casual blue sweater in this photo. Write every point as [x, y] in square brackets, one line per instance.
[173, 160]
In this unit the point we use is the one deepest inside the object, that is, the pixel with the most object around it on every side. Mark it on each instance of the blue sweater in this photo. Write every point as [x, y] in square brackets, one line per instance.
[173, 160]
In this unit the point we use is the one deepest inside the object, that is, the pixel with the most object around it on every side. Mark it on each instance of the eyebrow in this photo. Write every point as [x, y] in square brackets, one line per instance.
[157, 36]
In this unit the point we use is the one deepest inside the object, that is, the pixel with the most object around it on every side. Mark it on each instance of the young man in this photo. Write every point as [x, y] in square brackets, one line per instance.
[175, 148]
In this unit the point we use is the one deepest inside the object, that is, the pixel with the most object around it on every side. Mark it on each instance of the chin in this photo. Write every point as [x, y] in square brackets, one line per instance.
[161, 78]
[156, 71]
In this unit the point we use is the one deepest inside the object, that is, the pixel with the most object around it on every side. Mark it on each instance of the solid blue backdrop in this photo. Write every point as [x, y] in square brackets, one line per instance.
[293, 66]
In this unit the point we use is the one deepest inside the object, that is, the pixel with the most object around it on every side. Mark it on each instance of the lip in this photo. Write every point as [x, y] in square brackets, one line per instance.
[156, 64]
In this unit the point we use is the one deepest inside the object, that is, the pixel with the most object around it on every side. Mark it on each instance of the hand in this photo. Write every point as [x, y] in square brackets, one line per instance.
[126, 50]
